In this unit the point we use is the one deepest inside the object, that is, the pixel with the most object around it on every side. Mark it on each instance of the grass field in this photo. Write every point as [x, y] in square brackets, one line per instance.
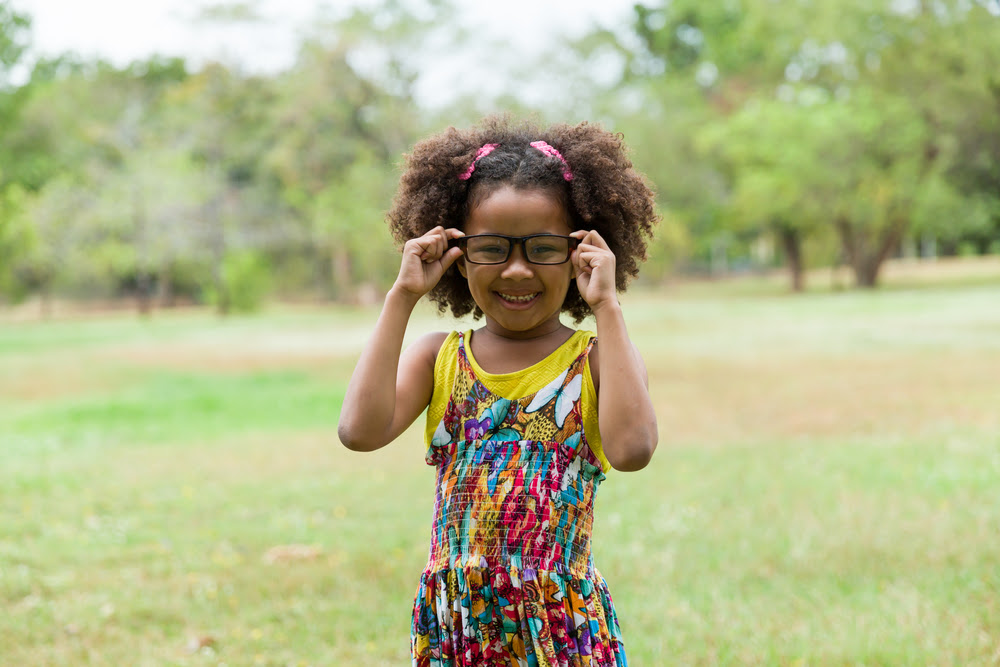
[826, 490]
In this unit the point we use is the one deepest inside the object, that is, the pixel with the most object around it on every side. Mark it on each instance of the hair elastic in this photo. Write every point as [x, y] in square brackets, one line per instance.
[481, 153]
[541, 146]
[549, 150]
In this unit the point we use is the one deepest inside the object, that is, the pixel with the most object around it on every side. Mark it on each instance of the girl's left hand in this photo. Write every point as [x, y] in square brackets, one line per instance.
[595, 269]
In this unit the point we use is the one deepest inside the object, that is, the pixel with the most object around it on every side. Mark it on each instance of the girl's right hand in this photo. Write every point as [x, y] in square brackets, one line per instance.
[425, 259]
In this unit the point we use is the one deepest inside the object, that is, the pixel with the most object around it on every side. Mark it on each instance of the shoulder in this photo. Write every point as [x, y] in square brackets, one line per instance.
[594, 361]
[418, 365]
[426, 347]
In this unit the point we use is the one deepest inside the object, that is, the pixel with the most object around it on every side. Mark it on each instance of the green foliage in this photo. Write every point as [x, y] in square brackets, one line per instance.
[246, 282]
[16, 237]
[825, 115]
[168, 176]
[14, 39]
[821, 131]
[348, 220]
[670, 243]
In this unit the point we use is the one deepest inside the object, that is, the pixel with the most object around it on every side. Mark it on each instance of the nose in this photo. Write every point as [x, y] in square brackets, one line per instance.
[517, 266]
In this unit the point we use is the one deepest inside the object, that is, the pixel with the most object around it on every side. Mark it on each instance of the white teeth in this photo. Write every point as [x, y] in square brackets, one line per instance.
[517, 299]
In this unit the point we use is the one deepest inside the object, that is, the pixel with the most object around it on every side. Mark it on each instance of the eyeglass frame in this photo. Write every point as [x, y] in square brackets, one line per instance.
[460, 242]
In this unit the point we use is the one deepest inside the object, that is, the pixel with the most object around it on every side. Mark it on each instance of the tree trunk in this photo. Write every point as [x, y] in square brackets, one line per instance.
[45, 301]
[791, 241]
[143, 280]
[340, 273]
[218, 244]
[165, 286]
[866, 273]
[865, 255]
[872, 264]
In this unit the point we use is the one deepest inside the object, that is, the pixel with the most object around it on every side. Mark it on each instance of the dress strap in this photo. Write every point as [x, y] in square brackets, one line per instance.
[590, 343]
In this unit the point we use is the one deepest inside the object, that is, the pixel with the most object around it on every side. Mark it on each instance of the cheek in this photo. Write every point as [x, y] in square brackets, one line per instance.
[568, 271]
[478, 278]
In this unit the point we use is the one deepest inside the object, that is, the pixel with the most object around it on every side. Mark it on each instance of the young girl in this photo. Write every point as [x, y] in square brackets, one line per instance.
[525, 415]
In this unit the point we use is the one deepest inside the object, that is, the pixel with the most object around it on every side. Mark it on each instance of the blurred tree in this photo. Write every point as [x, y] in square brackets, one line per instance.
[768, 152]
[15, 239]
[949, 68]
[345, 219]
[83, 125]
[339, 128]
[49, 134]
[150, 214]
[58, 237]
[223, 120]
[845, 103]
[14, 39]
[689, 191]
[874, 149]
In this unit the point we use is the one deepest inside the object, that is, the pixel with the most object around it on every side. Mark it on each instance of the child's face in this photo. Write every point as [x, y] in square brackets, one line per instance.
[519, 299]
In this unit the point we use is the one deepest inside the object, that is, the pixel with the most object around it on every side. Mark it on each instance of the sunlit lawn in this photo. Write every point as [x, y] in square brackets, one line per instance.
[826, 492]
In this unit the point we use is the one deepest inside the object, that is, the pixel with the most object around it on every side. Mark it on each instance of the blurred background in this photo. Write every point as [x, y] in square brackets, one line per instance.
[232, 153]
[193, 252]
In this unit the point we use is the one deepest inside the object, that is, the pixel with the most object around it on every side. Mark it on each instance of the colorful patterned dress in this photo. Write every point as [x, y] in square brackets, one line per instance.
[510, 580]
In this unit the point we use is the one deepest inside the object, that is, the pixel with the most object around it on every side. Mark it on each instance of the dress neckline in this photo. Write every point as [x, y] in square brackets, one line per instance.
[501, 377]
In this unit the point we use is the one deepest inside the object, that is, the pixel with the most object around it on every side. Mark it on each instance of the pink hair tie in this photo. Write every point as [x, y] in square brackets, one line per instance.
[549, 150]
[481, 153]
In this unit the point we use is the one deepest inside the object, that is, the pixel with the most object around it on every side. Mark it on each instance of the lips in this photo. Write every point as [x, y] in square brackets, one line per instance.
[518, 298]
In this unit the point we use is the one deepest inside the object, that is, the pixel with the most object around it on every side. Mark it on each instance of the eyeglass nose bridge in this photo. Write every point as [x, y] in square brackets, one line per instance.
[517, 242]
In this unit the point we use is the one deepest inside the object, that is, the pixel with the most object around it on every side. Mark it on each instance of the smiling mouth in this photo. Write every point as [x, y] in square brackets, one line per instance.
[518, 298]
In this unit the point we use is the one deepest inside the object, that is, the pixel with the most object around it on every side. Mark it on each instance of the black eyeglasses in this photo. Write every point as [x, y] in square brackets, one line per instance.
[495, 248]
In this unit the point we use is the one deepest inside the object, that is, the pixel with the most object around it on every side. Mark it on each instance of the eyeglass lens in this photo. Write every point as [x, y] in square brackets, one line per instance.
[543, 249]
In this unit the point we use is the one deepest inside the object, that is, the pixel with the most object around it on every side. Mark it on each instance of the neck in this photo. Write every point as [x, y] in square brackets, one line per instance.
[544, 330]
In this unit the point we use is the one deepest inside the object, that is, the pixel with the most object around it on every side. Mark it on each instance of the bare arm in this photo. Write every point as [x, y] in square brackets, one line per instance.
[624, 409]
[389, 390]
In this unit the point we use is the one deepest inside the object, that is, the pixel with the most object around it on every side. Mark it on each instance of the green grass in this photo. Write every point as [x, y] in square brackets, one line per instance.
[825, 491]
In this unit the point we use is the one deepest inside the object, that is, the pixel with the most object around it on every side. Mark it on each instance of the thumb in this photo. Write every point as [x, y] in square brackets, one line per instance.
[450, 257]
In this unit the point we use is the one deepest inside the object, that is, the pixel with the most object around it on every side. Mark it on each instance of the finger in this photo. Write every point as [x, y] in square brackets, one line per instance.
[440, 245]
[442, 235]
[443, 244]
[596, 262]
[433, 235]
[417, 246]
[425, 247]
[431, 245]
[593, 252]
[437, 242]
[438, 233]
[593, 238]
[450, 257]
[593, 256]
[589, 237]
[446, 236]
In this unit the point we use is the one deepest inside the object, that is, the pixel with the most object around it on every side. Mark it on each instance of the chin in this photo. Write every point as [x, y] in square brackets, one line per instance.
[522, 324]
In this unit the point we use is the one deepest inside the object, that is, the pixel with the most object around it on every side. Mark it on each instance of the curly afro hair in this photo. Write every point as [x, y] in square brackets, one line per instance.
[605, 193]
